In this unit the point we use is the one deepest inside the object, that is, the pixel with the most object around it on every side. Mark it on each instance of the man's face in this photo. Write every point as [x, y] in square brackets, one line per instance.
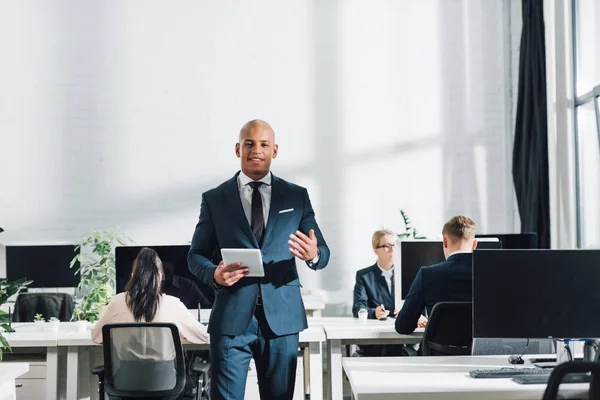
[256, 149]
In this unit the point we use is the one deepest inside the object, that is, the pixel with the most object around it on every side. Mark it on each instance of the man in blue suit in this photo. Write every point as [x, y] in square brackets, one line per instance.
[256, 318]
[451, 280]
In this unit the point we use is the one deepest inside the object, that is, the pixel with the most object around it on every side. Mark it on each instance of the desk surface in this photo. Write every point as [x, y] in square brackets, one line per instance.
[349, 328]
[439, 377]
[27, 334]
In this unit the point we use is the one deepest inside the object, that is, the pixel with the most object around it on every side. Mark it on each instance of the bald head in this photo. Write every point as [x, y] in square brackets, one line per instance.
[256, 148]
[255, 123]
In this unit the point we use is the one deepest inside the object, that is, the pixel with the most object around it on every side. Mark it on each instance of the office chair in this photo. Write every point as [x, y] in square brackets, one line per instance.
[59, 305]
[449, 331]
[561, 370]
[485, 346]
[141, 360]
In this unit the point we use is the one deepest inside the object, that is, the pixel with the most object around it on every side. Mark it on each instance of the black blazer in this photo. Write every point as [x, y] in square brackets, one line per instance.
[451, 280]
[371, 290]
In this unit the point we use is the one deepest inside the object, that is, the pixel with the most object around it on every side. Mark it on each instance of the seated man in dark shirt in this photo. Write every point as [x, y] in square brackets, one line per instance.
[184, 289]
[450, 280]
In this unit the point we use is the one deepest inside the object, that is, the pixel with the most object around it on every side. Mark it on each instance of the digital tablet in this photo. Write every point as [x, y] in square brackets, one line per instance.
[250, 258]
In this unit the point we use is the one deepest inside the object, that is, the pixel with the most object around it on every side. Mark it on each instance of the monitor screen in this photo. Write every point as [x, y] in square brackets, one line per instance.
[174, 256]
[415, 254]
[536, 294]
[47, 266]
[516, 241]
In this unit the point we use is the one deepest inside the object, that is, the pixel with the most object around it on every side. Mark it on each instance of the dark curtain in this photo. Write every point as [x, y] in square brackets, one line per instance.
[530, 152]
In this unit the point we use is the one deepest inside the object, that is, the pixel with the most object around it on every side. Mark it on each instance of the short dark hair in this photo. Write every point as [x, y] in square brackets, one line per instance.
[459, 228]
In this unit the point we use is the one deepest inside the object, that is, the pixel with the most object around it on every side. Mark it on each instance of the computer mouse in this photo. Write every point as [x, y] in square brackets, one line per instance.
[515, 359]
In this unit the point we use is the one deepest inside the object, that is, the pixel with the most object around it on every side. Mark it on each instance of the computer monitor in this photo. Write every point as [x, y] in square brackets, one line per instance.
[47, 266]
[176, 255]
[516, 241]
[536, 294]
[414, 254]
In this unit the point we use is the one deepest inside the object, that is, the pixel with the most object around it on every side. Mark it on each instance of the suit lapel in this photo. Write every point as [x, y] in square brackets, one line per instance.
[234, 204]
[276, 202]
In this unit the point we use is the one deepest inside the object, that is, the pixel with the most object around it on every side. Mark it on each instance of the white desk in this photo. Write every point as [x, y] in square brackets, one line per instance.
[9, 372]
[27, 335]
[445, 378]
[77, 342]
[341, 331]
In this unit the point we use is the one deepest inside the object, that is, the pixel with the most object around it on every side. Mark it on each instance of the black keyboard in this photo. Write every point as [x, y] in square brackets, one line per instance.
[543, 379]
[507, 372]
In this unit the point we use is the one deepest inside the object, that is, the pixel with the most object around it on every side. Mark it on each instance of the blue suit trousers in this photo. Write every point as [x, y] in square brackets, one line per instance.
[275, 358]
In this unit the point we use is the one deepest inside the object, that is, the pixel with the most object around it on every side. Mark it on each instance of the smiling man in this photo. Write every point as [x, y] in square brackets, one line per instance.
[256, 318]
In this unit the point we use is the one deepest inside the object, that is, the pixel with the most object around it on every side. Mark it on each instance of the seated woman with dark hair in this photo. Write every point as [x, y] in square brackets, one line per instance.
[143, 301]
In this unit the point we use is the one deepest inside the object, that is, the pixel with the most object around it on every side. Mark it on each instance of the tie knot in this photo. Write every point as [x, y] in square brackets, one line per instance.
[255, 184]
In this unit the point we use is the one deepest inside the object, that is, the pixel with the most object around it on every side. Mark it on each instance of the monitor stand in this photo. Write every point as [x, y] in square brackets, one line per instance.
[565, 351]
[590, 350]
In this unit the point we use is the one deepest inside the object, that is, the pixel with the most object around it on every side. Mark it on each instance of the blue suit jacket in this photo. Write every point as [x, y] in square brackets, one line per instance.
[451, 280]
[371, 290]
[223, 224]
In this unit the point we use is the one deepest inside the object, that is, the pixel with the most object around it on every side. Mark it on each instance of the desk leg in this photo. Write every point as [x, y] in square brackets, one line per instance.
[306, 367]
[334, 363]
[72, 372]
[51, 373]
[315, 359]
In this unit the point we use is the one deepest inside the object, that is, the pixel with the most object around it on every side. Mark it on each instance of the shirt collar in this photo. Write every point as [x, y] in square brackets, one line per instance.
[245, 179]
[460, 252]
[384, 272]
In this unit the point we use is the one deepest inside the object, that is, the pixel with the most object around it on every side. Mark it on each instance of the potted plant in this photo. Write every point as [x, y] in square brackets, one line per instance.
[409, 231]
[54, 324]
[39, 321]
[8, 289]
[97, 270]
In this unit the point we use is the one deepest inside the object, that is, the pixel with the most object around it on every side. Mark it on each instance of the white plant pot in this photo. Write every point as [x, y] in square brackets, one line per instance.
[40, 325]
[82, 326]
[53, 326]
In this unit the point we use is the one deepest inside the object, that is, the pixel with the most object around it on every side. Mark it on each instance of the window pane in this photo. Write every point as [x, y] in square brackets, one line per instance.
[588, 45]
[589, 167]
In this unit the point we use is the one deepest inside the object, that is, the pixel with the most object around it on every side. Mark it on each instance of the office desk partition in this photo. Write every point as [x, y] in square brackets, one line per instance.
[341, 331]
[425, 378]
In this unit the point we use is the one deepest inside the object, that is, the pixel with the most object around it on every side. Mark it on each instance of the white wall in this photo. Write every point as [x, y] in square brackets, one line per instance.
[118, 114]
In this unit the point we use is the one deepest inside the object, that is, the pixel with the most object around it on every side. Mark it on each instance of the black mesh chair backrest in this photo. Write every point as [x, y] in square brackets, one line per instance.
[449, 331]
[487, 346]
[58, 305]
[143, 360]
[561, 370]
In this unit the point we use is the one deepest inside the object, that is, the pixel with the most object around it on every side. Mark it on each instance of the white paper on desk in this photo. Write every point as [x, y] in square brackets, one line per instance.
[250, 258]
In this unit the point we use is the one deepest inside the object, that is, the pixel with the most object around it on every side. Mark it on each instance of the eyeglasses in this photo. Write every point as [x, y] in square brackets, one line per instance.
[388, 247]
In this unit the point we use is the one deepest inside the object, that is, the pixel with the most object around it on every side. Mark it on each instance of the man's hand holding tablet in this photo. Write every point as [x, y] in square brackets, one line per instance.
[228, 275]
[238, 263]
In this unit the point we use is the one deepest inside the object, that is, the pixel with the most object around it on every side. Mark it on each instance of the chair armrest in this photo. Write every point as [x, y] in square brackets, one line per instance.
[201, 367]
[99, 370]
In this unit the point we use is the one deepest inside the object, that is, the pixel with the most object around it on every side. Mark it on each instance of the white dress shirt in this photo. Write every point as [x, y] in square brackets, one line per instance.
[388, 275]
[246, 195]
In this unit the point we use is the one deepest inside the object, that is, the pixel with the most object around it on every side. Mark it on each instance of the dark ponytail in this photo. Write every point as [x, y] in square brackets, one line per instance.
[144, 288]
